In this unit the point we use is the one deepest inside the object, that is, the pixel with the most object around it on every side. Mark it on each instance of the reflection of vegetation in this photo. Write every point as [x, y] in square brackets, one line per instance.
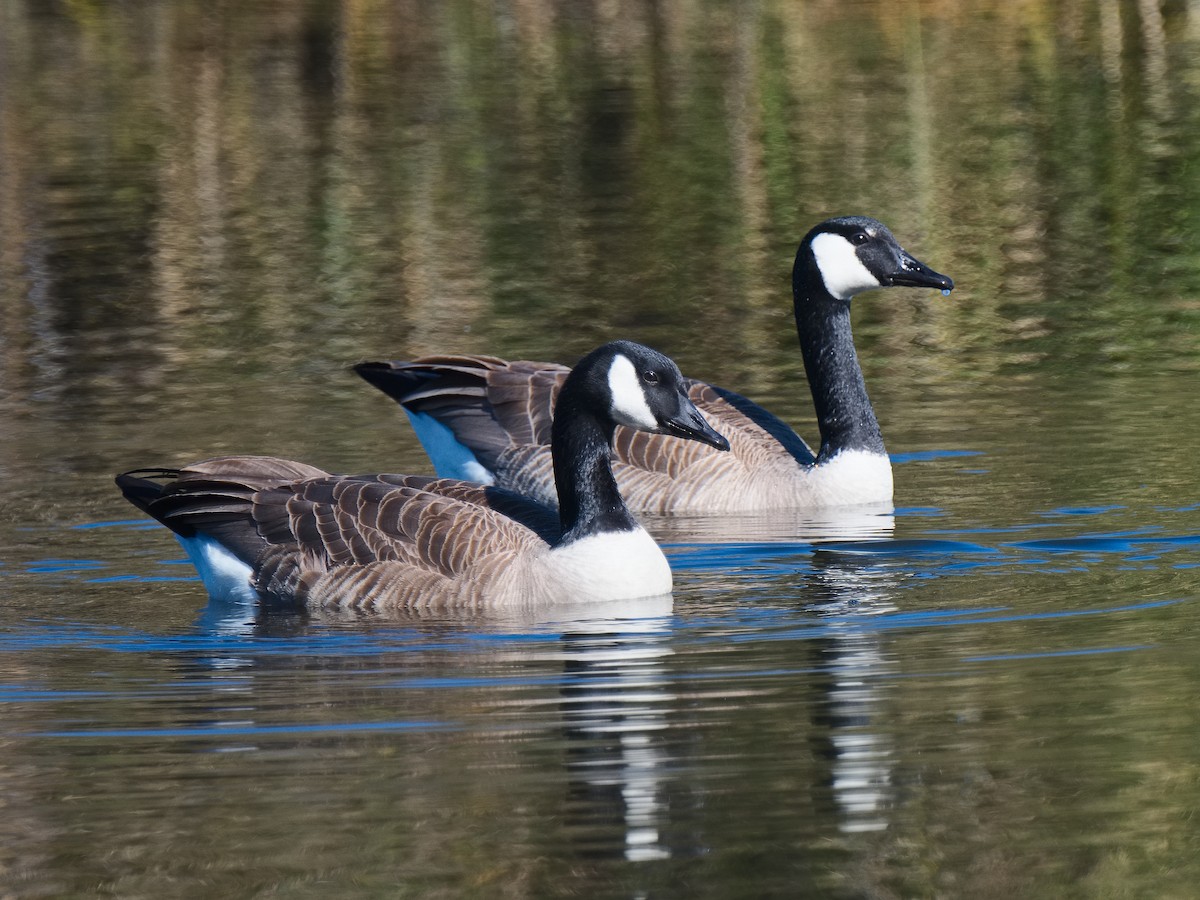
[246, 190]
[549, 177]
[229, 195]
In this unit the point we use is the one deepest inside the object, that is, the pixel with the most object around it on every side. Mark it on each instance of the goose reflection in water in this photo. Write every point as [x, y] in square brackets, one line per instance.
[856, 666]
[618, 698]
[614, 697]
[714, 534]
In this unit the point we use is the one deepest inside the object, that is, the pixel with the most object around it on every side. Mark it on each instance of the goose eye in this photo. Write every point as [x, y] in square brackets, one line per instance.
[859, 238]
[650, 376]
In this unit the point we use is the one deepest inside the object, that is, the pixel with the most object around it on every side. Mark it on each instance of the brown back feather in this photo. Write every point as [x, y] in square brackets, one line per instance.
[503, 411]
[305, 530]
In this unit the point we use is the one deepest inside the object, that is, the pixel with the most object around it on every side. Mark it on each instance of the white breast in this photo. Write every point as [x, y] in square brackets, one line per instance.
[612, 566]
[850, 478]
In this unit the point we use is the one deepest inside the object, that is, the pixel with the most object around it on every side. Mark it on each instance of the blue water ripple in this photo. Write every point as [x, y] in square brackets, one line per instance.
[920, 511]
[141, 525]
[897, 621]
[1082, 510]
[928, 455]
[142, 579]
[241, 730]
[1049, 654]
[39, 695]
[55, 565]
[484, 681]
[908, 547]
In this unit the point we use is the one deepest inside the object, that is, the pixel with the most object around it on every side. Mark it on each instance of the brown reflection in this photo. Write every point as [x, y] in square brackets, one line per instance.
[279, 191]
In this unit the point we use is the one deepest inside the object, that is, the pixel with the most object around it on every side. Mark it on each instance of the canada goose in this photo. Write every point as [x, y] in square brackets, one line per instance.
[260, 526]
[483, 419]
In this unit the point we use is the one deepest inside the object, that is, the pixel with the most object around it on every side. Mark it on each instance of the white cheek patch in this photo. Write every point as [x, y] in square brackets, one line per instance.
[841, 269]
[629, 405]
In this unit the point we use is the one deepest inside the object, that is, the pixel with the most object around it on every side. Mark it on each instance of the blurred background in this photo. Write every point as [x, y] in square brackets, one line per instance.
[209, 210]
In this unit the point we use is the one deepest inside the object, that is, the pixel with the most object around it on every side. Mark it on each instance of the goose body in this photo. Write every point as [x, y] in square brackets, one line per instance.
[484, 419]
[261, 527]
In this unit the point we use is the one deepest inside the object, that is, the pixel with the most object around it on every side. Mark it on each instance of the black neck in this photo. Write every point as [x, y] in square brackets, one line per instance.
[588, 500]
[844, 412]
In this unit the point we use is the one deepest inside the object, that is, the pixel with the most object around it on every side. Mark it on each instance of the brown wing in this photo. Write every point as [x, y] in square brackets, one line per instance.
[522, 397]
[659, 473]
[490, 405]
[502, 411]
[756, 438]
[355, 541]
[349, 539]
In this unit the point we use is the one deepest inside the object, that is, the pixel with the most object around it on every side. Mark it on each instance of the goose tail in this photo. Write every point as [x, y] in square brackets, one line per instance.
[446, 401]
[141, 488]
[209, 507]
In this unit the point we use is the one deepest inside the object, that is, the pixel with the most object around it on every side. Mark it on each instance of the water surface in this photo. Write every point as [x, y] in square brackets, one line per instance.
[207, 214]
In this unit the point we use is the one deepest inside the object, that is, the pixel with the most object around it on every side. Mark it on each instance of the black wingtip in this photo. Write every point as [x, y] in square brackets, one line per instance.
[372, 371]
[394, 379]
[367, 367]
[140, 487]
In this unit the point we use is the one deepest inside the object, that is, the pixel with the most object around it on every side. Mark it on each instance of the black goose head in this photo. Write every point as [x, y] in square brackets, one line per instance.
[852, 254]
[636, 386]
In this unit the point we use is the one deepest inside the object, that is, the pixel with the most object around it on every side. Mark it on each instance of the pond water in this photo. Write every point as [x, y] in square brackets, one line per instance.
[209, 212]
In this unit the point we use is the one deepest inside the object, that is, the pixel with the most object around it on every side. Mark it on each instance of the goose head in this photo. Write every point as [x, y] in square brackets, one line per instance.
[852, 254]
[643, 389]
